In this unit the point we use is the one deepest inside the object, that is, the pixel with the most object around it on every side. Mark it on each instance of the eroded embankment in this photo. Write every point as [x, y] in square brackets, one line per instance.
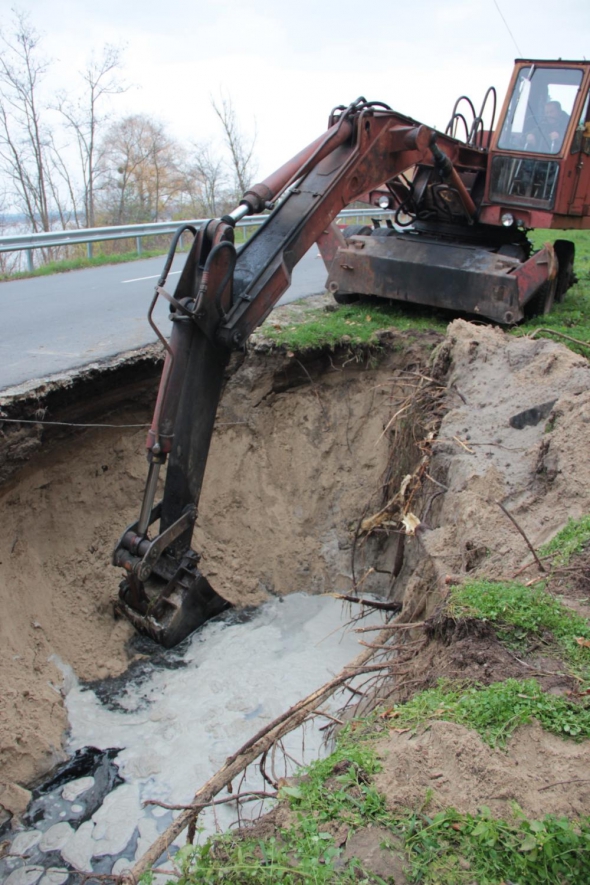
[297, 452]
[482, 778]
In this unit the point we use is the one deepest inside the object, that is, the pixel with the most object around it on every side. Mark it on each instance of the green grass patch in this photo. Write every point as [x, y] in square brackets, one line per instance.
[521, 613]
[461, 849]
[449, 847]
[81, 263]
[570, 541]
[496, 710]
[354, 324]
[572, 316]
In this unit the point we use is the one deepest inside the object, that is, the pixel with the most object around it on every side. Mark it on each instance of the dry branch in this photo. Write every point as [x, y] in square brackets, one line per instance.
[382, 606]
[234, 765]
[387, 627]
[238, 797]
[521, 531]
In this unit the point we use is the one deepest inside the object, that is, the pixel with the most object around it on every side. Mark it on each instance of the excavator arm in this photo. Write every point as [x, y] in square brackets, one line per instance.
[223, 294]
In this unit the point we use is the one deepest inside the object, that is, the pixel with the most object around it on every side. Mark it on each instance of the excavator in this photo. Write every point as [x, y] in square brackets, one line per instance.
[461, 208]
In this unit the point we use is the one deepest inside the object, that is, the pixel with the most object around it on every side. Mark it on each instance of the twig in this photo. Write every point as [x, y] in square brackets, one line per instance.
[465, 446]
[531, 667]
[265, 776]
[386, 665]
[518, 528]
[456, 390]
[390, 627]
[575, 780]
[529, 564]
[436, 482]
[314, 388]
[329, 716]
[239, 797]
[391, 647]
[560, 334]
[382, 606]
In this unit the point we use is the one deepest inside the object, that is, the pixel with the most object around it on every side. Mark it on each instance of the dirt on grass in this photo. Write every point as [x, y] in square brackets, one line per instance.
[299, 456]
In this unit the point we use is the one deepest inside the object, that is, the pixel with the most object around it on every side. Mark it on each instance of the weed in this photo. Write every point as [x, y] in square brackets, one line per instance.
[496, 710]
[334, 789]
[458, 849]
[521, 613]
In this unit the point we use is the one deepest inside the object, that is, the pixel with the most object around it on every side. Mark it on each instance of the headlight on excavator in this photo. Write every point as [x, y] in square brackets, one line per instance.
[383, 202]
[507, 219]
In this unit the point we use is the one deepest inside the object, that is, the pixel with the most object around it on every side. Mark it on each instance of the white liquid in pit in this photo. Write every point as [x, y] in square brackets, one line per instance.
[180, 725]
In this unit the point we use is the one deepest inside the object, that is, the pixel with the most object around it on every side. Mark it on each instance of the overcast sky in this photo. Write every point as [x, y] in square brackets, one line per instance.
[286, 65]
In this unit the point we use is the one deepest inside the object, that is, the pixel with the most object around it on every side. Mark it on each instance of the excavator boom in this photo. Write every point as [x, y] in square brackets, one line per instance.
[449, 258]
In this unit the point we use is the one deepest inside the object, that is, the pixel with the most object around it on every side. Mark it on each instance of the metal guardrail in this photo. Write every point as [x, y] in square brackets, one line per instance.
[28, 242]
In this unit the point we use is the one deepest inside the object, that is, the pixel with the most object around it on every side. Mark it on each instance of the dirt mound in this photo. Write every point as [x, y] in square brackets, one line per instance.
[482, 660]
[535, 465]
[541, 772]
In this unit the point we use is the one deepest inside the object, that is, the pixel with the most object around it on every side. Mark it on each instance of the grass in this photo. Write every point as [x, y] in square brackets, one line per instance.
[522, 614]
[570, 541]
[80, 263]
[354, 324]
[304, 851]
[358, 323]
[572, 316]
[448, 847]
[461, 849]
[496, 710]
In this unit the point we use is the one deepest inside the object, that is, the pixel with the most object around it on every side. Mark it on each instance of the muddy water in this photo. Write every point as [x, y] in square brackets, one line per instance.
[161, 731]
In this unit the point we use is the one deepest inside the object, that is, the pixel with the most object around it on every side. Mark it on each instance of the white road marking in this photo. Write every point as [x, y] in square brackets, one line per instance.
[153, 277]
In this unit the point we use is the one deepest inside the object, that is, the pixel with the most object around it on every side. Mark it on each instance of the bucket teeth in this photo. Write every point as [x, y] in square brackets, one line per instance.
[175, 608]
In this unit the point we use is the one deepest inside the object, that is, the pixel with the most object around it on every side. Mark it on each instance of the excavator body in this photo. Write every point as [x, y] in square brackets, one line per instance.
[536, 175]
[461, 208]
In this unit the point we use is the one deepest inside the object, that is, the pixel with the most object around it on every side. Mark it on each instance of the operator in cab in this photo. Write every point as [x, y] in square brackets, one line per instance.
[547, 136]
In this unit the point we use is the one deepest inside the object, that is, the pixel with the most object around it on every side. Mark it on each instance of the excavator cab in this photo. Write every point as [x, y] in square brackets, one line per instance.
[539, 170]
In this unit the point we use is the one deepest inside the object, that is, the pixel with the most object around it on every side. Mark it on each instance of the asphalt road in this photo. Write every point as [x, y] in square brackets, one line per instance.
[57, 323]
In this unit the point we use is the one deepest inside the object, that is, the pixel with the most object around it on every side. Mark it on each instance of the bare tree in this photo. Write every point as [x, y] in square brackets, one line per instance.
[206, 180]
[143, 169]
[24, 137]
[241, 149]
[84, 119]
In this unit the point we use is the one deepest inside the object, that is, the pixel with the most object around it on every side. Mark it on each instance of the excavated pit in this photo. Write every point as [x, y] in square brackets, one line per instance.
[299, 462]
[297, 454]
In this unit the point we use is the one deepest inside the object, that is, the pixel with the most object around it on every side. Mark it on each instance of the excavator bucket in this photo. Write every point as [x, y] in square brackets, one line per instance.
[169, 612]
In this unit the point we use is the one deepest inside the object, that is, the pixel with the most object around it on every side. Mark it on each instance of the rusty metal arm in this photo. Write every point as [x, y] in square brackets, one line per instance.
[380, 146]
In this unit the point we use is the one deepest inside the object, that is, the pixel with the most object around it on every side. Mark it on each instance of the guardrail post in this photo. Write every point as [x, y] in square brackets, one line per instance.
[138, 245]
[88, 250]
[30, 266]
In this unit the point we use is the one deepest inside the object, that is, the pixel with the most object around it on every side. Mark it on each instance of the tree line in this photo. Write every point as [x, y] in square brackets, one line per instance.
[70, 163]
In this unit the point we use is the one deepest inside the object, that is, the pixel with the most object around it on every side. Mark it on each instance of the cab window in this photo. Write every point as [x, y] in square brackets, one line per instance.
[540, 109]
